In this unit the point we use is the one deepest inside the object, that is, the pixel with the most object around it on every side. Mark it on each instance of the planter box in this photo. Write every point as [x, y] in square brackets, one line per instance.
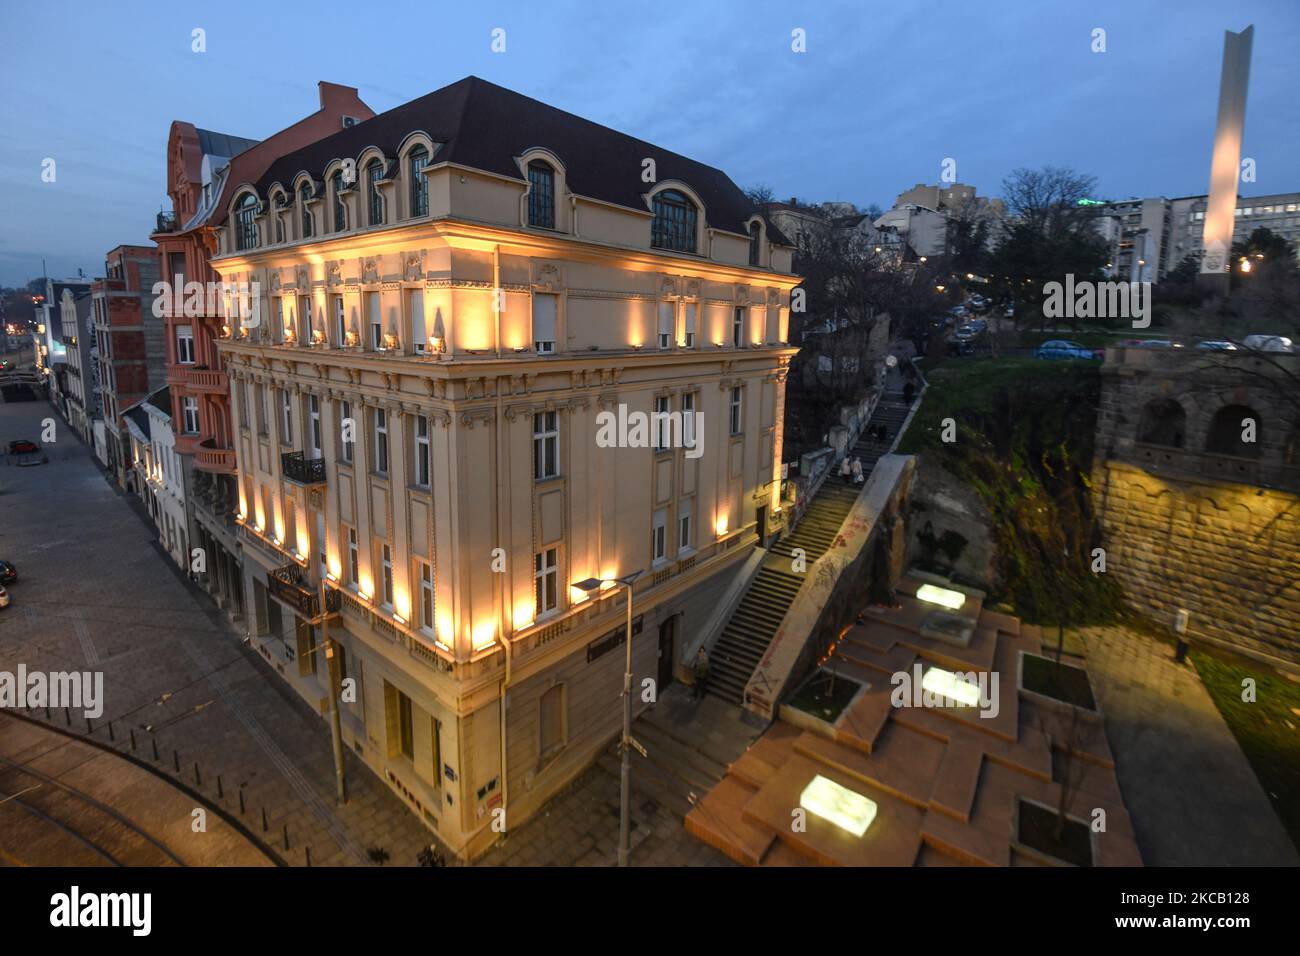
[812, 722]
[1043, 855]
[1040, 696]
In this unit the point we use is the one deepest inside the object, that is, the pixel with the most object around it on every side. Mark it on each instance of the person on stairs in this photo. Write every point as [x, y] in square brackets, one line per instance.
[701, 673]
[857, 471]
[846, 469]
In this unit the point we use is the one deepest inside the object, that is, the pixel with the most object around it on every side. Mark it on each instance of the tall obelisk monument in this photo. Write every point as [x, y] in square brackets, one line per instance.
[1225, 165]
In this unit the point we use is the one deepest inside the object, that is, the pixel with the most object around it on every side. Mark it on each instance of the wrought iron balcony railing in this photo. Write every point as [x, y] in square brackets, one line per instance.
[288, 585]
[302, 470]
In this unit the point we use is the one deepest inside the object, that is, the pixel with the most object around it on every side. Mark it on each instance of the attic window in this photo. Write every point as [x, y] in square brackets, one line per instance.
[755, 239]
[541, 195]
[674, 222]
[304, 194]
[246, 227]
[374, 173]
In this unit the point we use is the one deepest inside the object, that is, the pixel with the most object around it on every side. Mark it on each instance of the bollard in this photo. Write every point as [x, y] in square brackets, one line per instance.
[308, 849]
[47, 713]
[264, 826]
[220, 795]
[286, 837]
[176, 759]
[154, 741]
[241, 801]
[132, 732]
[197, 779]
[67, 716]
[90, 728]
[110, 732]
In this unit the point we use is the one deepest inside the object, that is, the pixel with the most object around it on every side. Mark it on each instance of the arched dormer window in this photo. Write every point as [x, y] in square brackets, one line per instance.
[279, 203]
[755, 243]
[374, 173]
[340, 214]
[417, 160]
[675, 217]
[304, 194]
[245, 223]
[541, 194]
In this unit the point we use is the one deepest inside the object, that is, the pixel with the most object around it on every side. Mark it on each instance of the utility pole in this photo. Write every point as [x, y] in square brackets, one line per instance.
[335, 678]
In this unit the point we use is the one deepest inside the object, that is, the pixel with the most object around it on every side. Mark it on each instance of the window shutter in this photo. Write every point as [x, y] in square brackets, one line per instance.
[544, 312]
[418, 335]
[666, 318]
[690, 318]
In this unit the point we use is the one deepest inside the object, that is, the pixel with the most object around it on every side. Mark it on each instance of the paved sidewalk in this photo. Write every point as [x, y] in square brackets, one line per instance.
[1193, 797]
[97, 593]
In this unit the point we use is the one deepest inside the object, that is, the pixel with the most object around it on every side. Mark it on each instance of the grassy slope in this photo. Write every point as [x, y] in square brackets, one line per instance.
[1024, 443]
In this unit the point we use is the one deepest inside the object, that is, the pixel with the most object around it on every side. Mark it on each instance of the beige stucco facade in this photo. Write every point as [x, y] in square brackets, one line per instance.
[470, 697]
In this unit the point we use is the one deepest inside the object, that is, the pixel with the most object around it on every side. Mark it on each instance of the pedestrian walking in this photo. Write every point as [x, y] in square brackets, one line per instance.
[701, 673]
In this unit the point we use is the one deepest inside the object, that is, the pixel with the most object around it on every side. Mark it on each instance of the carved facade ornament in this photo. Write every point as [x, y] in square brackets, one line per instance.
[693, 288]
[304, 277]
[275, 280]
[370, 271]
[333, 273]
[391, 380]
[414, 269]
[773, 297]
[470, 416]
[547, 277]
[742, 295]
[316, 499]
[667, 287]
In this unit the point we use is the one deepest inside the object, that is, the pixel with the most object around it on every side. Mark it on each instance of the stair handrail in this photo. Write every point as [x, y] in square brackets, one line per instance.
[707, 636]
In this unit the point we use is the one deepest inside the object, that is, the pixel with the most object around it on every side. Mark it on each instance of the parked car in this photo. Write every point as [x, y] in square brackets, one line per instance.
[4, 597]
[971, 331]
[8, 573]
[1217, 346]
[1268, 343]
[27, 452]
[1063, 349]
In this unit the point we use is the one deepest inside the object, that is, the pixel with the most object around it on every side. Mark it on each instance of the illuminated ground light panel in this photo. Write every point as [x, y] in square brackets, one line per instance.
[949, 686]
[946, 597]
[838, 805]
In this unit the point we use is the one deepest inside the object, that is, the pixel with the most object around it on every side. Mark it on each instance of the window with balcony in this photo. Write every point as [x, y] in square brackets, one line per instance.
[545, 307]
[185, 344]
[190, 415]
[246, 223]
[416, 163]
[546, 581]
[541, 195]
[674, 222]
[546, 445]
[422, 451]
[375, 199]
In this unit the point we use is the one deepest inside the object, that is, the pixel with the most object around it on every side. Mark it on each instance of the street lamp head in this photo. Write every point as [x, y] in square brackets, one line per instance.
[588, 585]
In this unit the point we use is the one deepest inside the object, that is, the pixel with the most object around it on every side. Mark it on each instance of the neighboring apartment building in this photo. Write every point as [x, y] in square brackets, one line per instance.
[51, 352]
[202, 169]
[418, 421]
[1148, 238]
[808, 225]
[161, 477]
[922, 216]
[78, 400]
[130, 345]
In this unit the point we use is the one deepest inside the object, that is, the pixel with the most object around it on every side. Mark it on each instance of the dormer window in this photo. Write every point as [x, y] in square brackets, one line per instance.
[304, 194]
[340, 214]
[755, 240]
[541, 195]
[419, 159]
[374, 173]
[245, 224]
[674, 222]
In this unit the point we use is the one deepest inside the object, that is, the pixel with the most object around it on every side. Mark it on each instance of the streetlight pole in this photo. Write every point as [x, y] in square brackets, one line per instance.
[627, 743]
[334, 676]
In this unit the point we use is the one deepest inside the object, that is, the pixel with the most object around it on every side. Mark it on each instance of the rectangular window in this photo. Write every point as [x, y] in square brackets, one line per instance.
[419, 336]
[426, 598]
[422, 451]
[690, 325]
[286, 417]
[347, 431]
[666, 325]
[738, 326]
[660, 423]
[354, 565]
[304, 318]
[381, 441]
[546, 581]
[406, 731]
[374, 320]
[659, 536]
[340, 323]
[688, 420]
[546, 445]
[185, 344]
[190, 414]
[386, 566]
[545, 308]
[551, 723]
[313, 414]
[541, 195]
[290, 525]
[736, 420]
[684, 526]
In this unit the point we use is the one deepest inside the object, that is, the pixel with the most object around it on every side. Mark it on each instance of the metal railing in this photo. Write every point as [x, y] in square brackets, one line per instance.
[302, 470]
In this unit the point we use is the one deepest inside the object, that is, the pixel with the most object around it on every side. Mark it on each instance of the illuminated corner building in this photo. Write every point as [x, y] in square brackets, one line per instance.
[79, 401]
[203, 169]
[51, 349]
[495, 275]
